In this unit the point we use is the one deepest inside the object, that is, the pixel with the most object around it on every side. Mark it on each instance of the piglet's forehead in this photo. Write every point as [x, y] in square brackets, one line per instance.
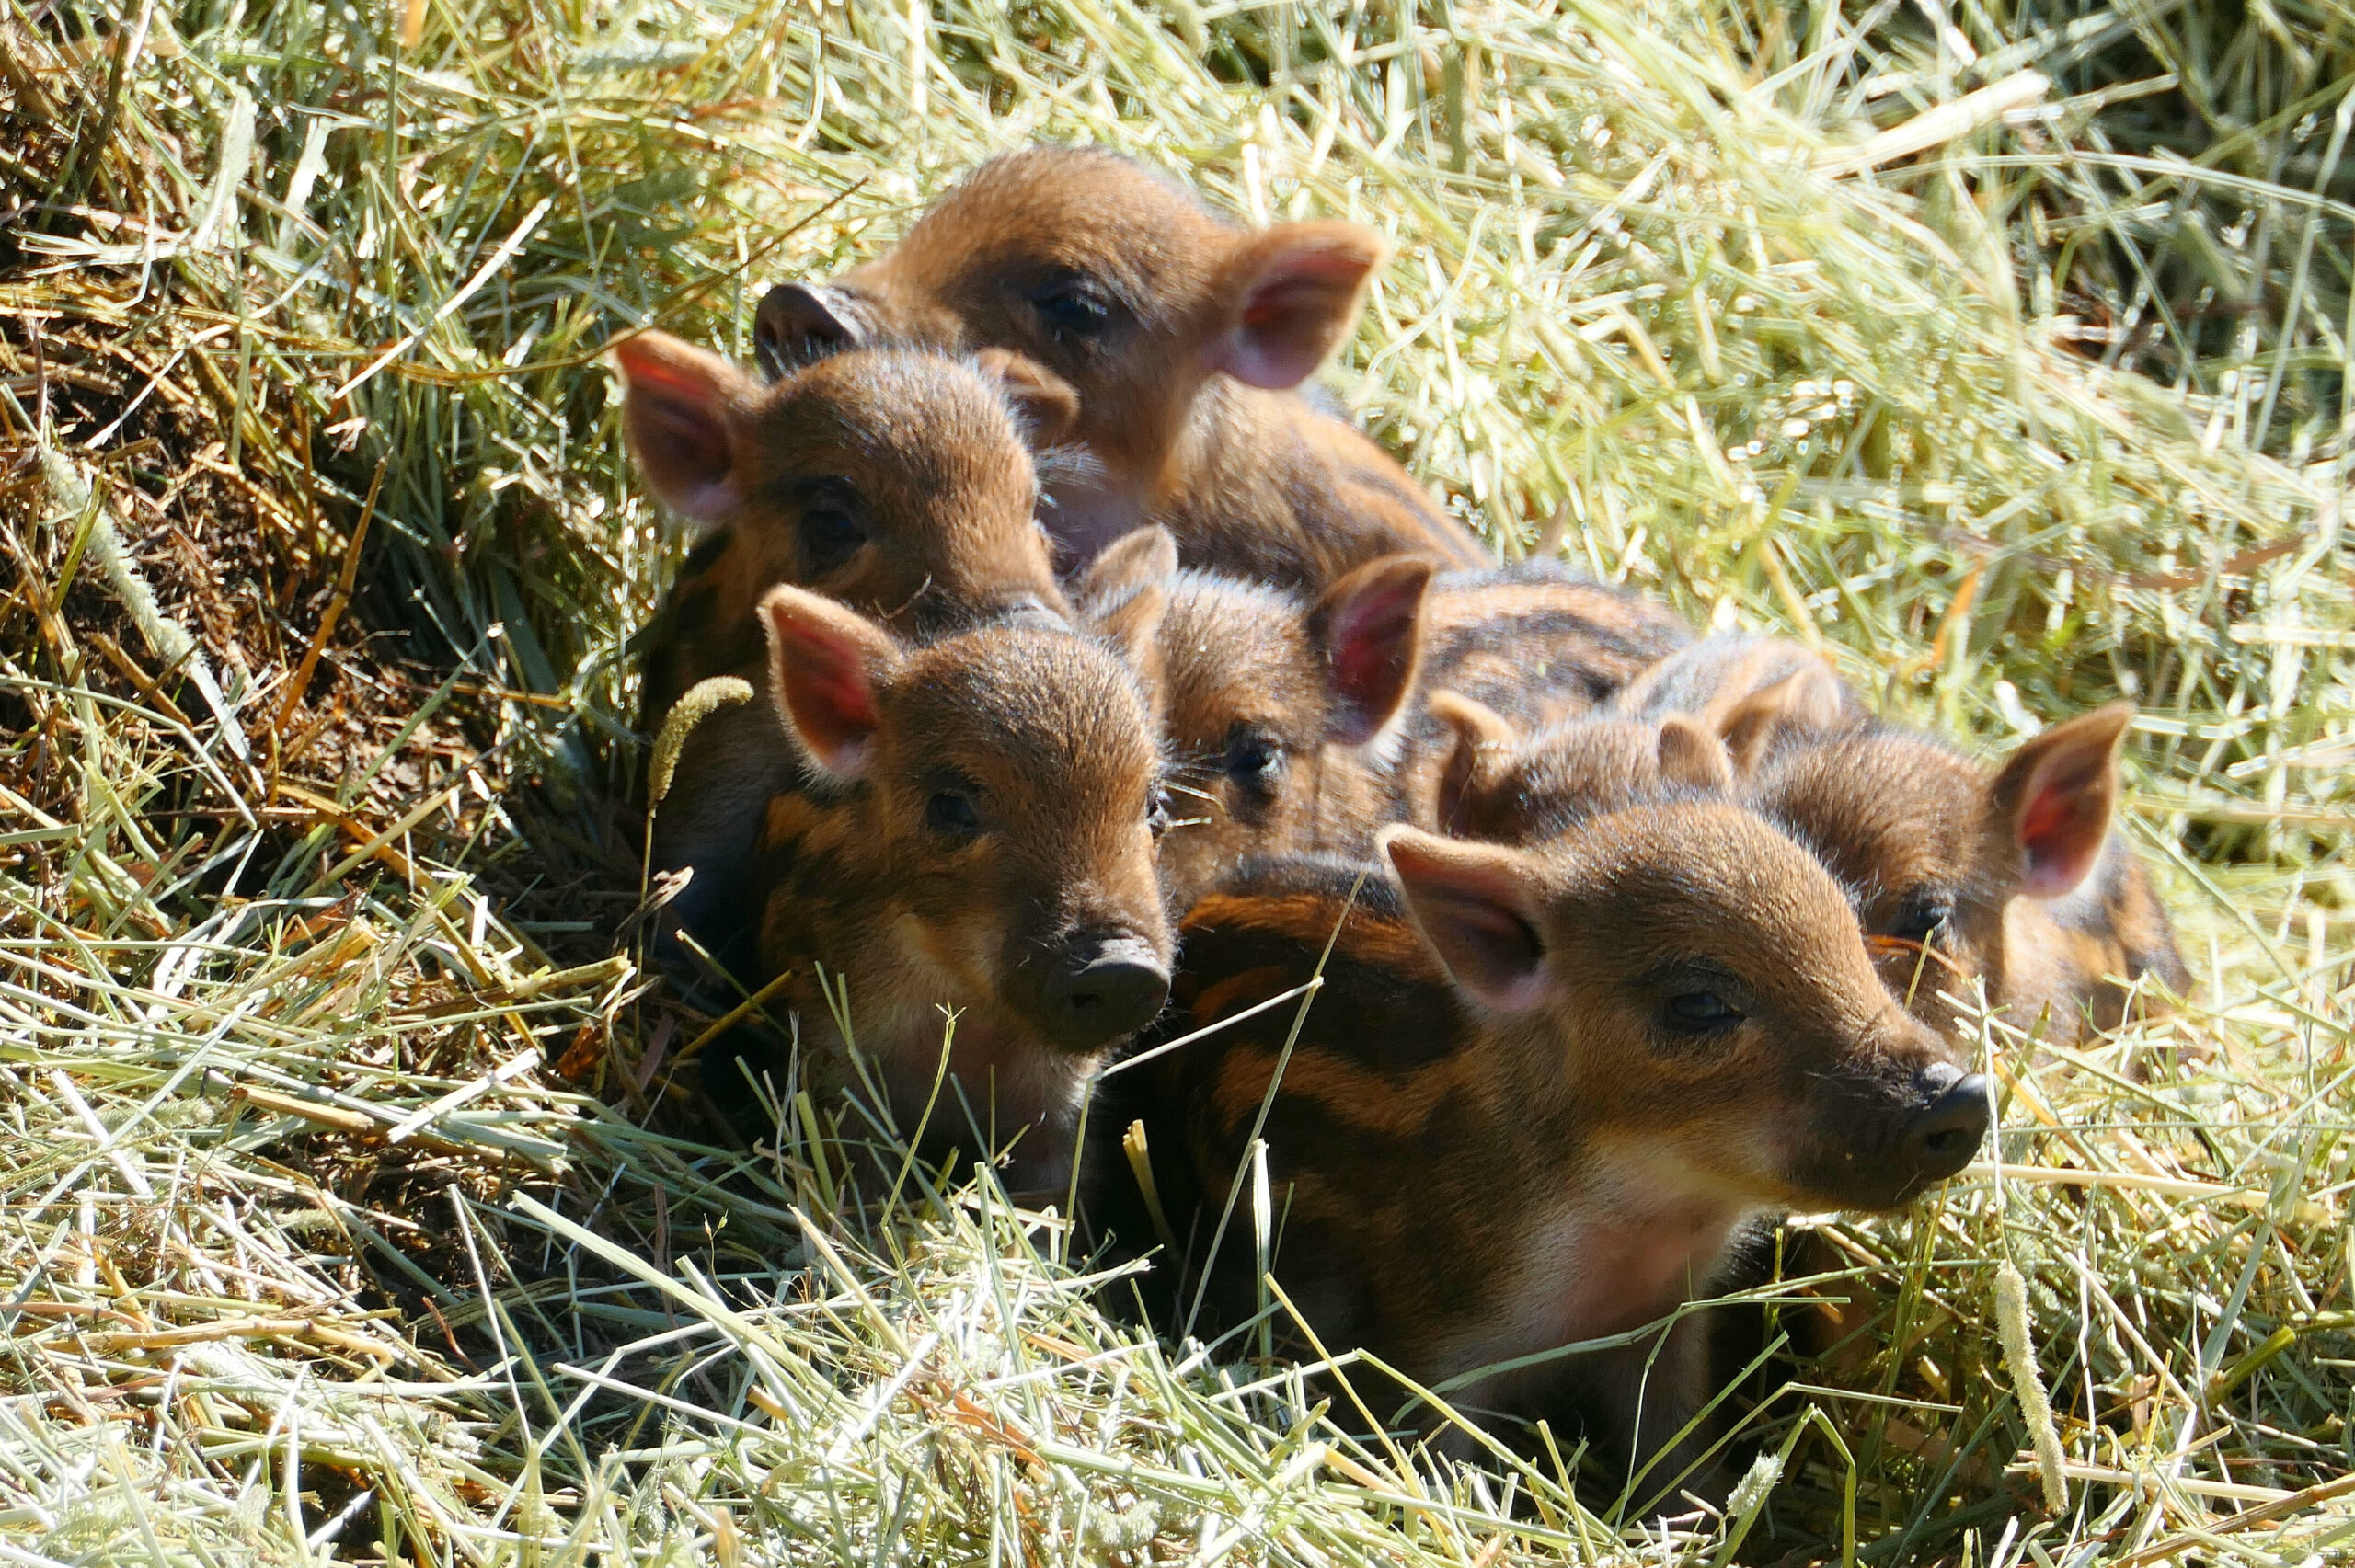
[1060, 696]
[1892, 778]
[1883, 810]
[1088, 193]
[1706, 866]
[923, 414]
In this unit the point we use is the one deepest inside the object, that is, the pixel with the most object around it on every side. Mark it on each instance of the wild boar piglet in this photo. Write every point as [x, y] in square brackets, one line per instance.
[1298, 724]
[974, 834]
[1541, 1093]
[2013, 880]
[901, 483]
[1177, 338]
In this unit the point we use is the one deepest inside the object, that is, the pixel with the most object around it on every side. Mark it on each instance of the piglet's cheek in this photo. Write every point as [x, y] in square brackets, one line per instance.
[955, 954]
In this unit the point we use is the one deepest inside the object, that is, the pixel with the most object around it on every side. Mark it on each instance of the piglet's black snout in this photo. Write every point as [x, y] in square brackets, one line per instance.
[1102, 989]
[1944, 1135]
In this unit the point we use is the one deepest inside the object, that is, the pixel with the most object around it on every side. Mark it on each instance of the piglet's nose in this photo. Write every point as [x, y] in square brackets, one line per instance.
[1945, 1134]
[1102, 989]
[795, 323]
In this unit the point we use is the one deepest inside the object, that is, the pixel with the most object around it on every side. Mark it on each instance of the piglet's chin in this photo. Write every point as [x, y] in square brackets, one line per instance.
[1838, 1180]
[997, 1067]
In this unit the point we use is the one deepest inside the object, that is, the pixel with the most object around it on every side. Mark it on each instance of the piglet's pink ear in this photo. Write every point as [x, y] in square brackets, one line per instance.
[1369, 626]
[826, 662]
[2054, 795]
[1478, 905]
[1292, 294]
[676, 404]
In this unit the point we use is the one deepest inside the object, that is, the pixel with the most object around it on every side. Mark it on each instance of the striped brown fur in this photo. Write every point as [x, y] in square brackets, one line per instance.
[975, 833]
[1514, 1117]
[1297, 724]
[1180, 338]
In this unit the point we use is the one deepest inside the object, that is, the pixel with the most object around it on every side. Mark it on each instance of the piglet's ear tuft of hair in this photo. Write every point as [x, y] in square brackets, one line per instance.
[2053, 798]
[1482, 738]
[1370, 627]
[1123, 593]
[1292, 294]
[1479, 907]
[1691, 755]
[1045, 403]
[677, 409]
[827, 664]
[1810, 700]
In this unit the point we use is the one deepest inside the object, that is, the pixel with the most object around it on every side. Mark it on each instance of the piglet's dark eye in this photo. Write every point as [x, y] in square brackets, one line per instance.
[1253, 759]
[830, 529]
[1922, 917]
[1700, 1013]
[829, 535]
[952, 815]
[1156, 812]
[1073, 306]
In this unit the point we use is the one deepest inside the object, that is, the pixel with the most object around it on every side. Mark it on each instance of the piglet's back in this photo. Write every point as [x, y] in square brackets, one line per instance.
[1538, 641]
[1369, 1081]
[1271, 488]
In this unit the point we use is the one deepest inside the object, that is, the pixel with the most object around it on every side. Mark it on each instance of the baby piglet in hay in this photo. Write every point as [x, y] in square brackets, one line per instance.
[2014, 880]
[1297, 723]
[897, 482]
[1542, 1094]
[976, 833]
[1179, 338]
